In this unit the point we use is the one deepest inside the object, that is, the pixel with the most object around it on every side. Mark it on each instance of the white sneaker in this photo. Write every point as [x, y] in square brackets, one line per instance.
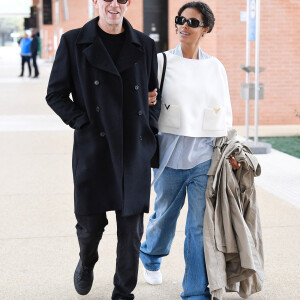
[153, 277]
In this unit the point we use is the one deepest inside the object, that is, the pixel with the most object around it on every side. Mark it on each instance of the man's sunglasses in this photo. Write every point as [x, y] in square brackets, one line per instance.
[192, 22]
[119, 1]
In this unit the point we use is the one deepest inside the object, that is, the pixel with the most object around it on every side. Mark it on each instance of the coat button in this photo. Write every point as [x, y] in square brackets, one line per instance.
[102, 134]
[139, 113]
[141, 138]
[96, 82]
[97, 109]
[136, 87]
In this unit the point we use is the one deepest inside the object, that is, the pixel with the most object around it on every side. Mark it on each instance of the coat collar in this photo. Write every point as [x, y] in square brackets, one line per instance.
[178, 51]
[97, 54]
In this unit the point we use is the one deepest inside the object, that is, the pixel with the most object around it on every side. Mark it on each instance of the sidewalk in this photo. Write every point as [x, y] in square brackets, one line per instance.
[38, 245]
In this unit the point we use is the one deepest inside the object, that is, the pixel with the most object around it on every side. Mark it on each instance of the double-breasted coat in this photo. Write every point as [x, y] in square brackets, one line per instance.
[114, 138]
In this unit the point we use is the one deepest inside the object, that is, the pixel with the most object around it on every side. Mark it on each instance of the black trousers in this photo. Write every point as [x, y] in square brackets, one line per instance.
[36, 70]
[25, 59]
[129, 232]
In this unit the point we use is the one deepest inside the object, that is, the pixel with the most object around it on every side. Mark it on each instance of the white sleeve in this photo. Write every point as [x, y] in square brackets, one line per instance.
[160, 62]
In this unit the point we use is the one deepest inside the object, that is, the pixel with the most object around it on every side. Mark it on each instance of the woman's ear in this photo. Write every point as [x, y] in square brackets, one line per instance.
[205, 30]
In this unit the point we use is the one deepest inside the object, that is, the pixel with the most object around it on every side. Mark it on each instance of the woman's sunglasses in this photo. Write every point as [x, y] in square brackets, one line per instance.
[192, 22]
[119, 1]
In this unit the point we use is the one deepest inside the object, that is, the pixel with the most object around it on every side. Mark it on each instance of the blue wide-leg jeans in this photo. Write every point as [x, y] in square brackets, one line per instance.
[171, 188]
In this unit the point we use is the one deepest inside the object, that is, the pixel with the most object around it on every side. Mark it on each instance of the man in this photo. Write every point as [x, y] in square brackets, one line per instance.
[34, 46]
[25, 54]
[109, 68]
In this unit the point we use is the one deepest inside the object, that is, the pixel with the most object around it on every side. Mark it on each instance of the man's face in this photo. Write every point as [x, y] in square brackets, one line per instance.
[111, 13]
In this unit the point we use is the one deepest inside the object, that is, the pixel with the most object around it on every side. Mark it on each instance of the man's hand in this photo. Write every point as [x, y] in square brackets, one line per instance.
[152, 97]
[234, 164]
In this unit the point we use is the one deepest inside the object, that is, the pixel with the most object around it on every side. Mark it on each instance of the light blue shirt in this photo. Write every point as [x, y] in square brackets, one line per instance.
[183, 152]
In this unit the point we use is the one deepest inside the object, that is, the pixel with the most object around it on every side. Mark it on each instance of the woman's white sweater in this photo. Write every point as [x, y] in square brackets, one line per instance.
[195, 97]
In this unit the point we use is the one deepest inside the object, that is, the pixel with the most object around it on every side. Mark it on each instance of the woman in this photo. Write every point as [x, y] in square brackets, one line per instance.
[195, 109]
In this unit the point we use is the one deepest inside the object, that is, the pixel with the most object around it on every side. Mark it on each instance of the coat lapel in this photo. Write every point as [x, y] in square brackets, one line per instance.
[132, 50]
[98, 56]
[95, 52]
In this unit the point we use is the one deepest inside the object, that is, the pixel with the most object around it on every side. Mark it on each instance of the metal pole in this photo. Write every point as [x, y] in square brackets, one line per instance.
[257, 42]
[247, 73]
[46, 43]
[66, 10]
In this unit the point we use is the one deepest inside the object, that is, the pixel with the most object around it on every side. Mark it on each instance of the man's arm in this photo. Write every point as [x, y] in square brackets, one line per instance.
[59, 89]
[154, 110]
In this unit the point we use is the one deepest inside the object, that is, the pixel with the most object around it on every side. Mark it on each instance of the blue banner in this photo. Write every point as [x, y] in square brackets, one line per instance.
[252, 19]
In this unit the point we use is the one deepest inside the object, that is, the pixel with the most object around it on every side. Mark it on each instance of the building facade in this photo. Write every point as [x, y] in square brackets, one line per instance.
[279, 54]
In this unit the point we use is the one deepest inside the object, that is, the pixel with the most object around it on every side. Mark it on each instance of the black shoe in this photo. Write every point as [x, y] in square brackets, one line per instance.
[21, 75]
[35, 76]
[83, 279]
[131, 297]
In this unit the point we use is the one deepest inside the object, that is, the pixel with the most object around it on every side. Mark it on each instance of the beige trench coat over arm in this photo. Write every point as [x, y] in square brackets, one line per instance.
[232, 231]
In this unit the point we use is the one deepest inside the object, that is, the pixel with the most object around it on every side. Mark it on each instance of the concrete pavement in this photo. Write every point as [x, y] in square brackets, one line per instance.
[38, 245]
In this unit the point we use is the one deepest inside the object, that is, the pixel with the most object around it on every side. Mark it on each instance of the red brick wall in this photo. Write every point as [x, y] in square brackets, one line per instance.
[135, 14]
[280, 48]
[280, 43]
[78, 15]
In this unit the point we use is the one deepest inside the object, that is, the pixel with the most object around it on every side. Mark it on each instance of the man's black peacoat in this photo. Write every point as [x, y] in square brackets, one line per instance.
[114, 138]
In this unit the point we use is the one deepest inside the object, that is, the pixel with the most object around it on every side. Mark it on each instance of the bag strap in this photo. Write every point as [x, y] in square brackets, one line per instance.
[163, 75]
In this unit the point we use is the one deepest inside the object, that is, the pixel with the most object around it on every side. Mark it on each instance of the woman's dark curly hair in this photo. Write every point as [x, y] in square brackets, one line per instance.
[204, 9]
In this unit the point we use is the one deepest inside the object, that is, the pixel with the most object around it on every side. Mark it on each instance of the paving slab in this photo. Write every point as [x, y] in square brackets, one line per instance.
[280, 176]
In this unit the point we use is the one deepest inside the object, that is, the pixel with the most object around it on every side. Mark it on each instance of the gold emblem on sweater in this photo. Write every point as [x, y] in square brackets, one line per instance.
[217, 110]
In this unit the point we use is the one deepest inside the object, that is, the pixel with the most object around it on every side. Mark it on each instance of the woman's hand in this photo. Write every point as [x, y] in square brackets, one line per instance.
[234, 164]
[152, 97]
